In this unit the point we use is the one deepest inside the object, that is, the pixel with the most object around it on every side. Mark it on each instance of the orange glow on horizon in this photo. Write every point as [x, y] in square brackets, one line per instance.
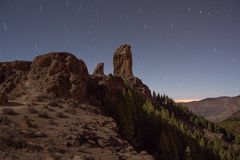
[187, 100]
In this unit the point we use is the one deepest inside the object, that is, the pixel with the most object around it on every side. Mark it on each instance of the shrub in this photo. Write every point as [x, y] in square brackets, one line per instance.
[61, 115]
[32, 110]
[29, 122]
[11, 137]
[8, 111]
[43, 115]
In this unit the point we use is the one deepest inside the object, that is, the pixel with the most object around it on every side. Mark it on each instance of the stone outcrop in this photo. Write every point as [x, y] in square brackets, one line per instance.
[60, 74]
[139, 86]
[13, 74]
[122, 61]
[17, 65]
[99, 69]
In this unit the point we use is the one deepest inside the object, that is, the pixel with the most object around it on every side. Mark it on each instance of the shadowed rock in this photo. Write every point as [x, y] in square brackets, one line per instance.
[17, 65]
[99, 69]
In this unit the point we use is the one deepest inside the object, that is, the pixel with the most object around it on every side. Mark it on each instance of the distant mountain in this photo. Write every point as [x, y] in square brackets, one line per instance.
[215, 109]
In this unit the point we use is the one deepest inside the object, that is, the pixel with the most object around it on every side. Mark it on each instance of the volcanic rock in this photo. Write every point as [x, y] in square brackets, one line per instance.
[13, 74]
[60, 74]
[99, 69]
[139, 86]
[17, 65]
[122, 61]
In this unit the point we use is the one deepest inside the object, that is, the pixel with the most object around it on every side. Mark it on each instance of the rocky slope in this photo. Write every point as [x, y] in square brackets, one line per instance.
[51, 108]
[233, 124]
[215, 109]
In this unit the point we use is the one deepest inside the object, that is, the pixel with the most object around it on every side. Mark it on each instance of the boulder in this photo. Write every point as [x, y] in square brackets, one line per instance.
[122, 61]
[55, 62]
[99, 69]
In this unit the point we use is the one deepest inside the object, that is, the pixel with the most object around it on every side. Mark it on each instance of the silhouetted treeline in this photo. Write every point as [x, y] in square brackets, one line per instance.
[169, 131]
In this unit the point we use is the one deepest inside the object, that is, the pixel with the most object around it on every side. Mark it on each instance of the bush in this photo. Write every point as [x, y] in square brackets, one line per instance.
[32, 110]
[43, 115]
[11, 137]
[61, 115]
[8, 111]
[55, 104]
[29, 122]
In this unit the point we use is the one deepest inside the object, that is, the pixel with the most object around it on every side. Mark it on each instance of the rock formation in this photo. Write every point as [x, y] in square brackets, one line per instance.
[60, 74]
[13, 74]
[99, 69]
[17, 65]
[79, 132]
[122, 61]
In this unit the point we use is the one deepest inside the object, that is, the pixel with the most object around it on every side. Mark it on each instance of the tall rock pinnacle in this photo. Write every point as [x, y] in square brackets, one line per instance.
[122, 61]
[99, 69]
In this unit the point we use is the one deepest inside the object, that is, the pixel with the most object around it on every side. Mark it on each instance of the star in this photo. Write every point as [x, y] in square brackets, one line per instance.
[139, 11]
[5, 26]
[67, 3]
[234, 59]
[40, 8]
[145, 26]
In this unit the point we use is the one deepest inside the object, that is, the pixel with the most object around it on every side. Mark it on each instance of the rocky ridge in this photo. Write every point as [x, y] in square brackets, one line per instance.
[50, 108]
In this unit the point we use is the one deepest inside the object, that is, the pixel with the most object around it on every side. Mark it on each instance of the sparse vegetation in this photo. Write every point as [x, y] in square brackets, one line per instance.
[52, 122]
[32, 110]
[70, 109]
[10, 136]
[61, 115]
[168, 130]
[43, 114]
[9, 111]
[55, 104]
[29, 122]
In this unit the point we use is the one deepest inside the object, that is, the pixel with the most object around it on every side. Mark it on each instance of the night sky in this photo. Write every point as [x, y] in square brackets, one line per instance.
[184, 48]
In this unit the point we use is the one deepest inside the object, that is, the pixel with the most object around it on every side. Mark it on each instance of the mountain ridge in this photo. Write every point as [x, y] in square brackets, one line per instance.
[217, 108]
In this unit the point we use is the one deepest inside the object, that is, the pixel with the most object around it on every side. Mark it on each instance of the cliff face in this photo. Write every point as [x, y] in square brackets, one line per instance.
[47, 108]
[122, 61]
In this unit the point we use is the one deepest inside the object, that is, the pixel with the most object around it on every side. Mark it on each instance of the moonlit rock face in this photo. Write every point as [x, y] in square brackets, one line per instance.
[122, 61]
[60, 74]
